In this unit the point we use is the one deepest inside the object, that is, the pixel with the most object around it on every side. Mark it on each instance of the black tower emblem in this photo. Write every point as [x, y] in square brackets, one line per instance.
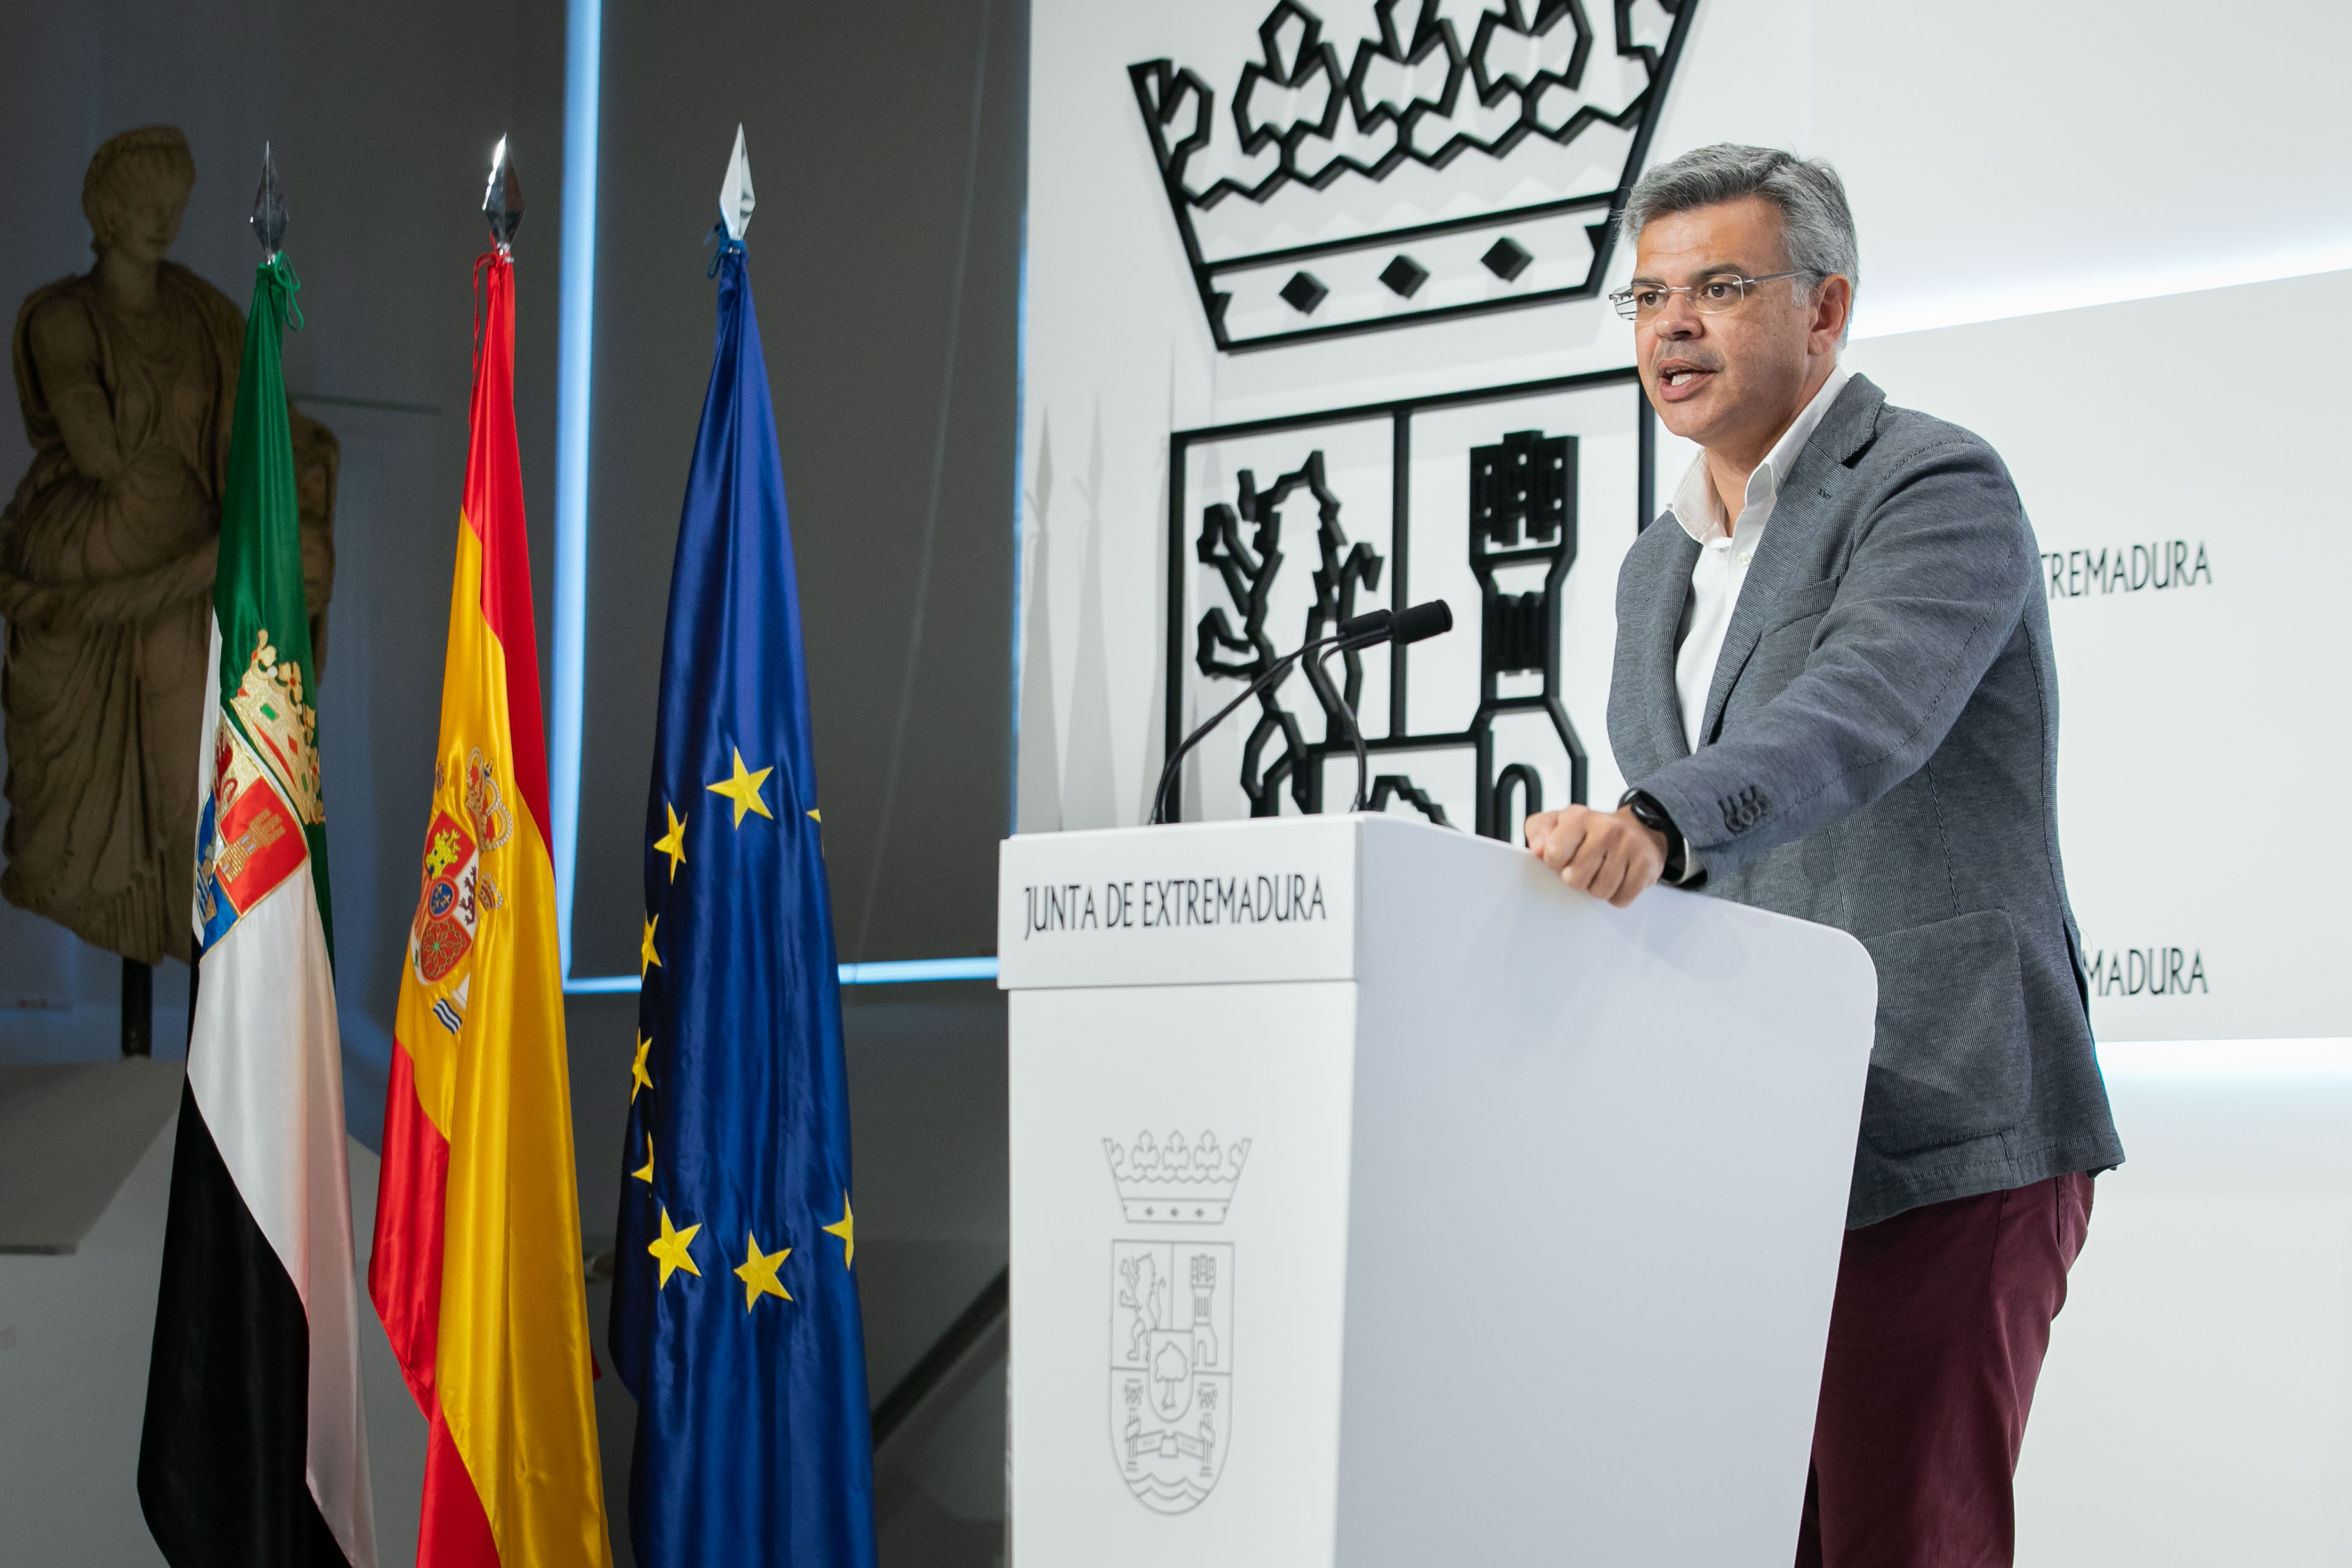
[1522, 535]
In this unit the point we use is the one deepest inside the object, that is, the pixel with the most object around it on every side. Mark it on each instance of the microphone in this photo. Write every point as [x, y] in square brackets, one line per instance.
[1422, 622]
[1366, 631]
[1412, 625]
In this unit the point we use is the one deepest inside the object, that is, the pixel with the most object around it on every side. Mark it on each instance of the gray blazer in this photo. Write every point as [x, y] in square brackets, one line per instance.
[1879, 753]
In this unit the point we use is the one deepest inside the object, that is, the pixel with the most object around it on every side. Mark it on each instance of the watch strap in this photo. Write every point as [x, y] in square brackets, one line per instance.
[1678, 871]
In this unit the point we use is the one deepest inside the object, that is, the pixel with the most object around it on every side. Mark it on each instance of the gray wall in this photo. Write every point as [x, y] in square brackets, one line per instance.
[876, 199]
[862, 129]
[888, 157]
[859, 120]
[382, 120]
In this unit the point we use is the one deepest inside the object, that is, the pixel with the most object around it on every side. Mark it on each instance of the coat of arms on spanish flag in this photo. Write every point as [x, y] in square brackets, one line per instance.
[477, 1269]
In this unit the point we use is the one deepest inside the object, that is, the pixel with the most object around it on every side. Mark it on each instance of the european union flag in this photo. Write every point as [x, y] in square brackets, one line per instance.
[735, 1299]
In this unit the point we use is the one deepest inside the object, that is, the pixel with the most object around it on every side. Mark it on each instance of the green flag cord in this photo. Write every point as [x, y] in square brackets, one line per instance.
[275, 268]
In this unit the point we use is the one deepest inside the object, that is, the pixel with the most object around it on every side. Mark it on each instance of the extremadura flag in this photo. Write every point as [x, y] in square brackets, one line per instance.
[477, 1269]
[735, 1317]
[255, 1449]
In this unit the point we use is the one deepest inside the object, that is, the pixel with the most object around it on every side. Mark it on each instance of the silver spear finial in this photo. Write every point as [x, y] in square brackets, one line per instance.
[502, 203]
[268, 218]
[735, 202]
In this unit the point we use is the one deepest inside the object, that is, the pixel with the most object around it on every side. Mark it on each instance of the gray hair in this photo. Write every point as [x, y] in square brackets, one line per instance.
[1816, 224]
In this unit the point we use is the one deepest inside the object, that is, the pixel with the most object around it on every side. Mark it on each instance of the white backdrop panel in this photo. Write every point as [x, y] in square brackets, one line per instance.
[2199, 724]
[2196, 1406]
[1961, 132]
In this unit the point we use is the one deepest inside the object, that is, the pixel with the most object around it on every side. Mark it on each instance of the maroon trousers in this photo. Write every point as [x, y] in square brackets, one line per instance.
[1937, 1335]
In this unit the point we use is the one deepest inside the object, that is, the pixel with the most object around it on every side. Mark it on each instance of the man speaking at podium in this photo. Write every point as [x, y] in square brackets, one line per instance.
[1834, 697]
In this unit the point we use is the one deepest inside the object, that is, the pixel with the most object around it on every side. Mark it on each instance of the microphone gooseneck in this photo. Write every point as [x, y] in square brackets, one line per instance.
[1413, 624]
[1320, 679]
[1272, 673]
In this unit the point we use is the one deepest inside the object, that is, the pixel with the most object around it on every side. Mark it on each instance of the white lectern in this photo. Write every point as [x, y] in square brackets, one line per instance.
[1379, 1199]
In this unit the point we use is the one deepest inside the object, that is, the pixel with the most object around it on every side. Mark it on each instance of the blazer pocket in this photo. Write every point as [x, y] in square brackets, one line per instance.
[1951, 1060]
[1782, 650]
[1804, 604]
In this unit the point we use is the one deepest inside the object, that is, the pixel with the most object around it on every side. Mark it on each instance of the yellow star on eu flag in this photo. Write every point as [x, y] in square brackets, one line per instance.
[743, 789]
[645, 1173]
[673, 843]
[846, 1229]
[670, 1247]
[759, 1273]
[638, 1077]
[646, 957]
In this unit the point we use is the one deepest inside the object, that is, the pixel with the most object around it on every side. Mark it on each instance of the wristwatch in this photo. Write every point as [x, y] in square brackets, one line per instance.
[1679, 872]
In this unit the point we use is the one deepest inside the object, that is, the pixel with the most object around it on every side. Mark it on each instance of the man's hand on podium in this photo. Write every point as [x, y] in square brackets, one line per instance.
[1608, 854]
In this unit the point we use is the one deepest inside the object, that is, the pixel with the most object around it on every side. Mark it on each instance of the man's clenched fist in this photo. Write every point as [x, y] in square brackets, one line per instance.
[1608, 854]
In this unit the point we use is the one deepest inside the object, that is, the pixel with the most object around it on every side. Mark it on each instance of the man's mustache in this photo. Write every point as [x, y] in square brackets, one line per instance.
[1684, 359]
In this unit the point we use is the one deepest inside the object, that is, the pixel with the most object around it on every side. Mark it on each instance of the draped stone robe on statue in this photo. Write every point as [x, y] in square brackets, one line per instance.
[106, 589]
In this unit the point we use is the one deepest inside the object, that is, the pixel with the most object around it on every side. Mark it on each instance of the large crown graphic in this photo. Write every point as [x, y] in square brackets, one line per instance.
[1175, 1183]
[1427, 177]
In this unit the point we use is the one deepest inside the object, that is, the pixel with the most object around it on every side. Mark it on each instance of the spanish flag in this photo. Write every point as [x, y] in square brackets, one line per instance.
[477, 1271]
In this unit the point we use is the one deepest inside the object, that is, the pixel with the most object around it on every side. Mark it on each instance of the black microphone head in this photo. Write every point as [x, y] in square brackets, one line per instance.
[1423, 620]
[1372, 626]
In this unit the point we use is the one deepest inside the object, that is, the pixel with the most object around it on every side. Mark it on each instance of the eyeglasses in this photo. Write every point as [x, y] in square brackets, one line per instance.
[1712, 295]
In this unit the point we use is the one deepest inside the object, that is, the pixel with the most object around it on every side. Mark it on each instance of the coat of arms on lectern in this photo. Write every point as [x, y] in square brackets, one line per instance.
[1171, 1320]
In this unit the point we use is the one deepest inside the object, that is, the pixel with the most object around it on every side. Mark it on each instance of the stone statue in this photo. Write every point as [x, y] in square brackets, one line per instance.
[128, 379]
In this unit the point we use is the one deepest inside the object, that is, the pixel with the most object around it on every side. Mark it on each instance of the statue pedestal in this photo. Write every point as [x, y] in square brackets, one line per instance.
[138, 1007]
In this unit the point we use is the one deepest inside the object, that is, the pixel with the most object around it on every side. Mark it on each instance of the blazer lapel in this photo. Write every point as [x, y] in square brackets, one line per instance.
[1658, 616]
[1848, 427]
